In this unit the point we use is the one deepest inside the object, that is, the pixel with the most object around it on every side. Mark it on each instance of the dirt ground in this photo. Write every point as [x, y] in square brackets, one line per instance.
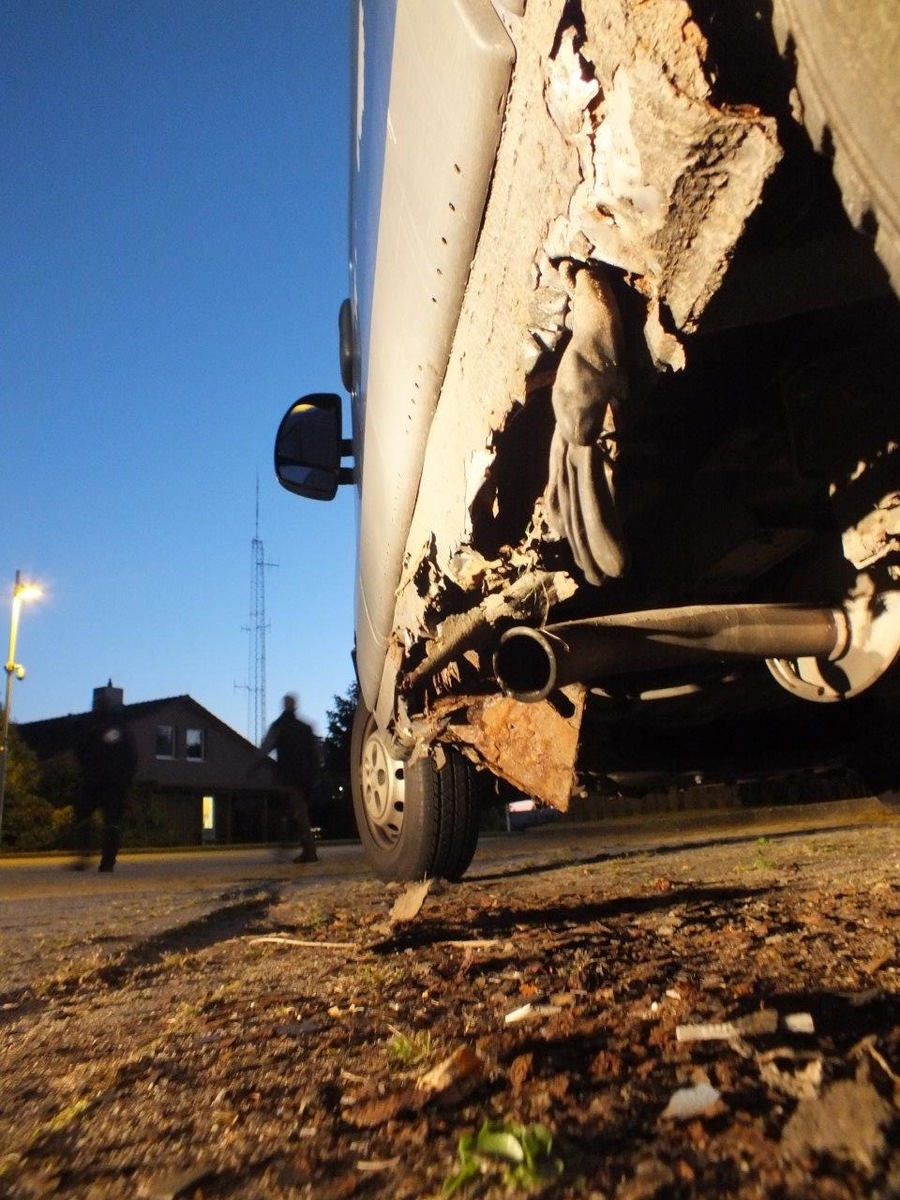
[720, 1017]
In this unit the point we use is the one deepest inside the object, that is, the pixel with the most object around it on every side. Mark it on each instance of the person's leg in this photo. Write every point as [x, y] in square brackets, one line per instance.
[112, 830]
[304, 828]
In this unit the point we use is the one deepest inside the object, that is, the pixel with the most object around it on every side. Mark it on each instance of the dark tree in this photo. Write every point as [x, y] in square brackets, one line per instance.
[336, 746]
[27, 815]
[332, 802]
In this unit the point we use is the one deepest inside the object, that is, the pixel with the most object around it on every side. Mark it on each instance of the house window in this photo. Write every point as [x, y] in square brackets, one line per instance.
[195, 745]
[165, 741]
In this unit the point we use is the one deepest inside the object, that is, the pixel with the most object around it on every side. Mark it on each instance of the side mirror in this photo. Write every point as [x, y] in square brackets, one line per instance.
[308, 447]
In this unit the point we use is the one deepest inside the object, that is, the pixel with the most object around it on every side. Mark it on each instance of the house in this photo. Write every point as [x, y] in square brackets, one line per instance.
[194, 781]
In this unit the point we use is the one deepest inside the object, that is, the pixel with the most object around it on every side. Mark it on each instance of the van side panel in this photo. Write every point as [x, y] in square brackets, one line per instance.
[451, 68]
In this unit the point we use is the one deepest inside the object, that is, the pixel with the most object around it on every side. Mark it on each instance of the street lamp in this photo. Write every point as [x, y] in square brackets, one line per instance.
[21, 593]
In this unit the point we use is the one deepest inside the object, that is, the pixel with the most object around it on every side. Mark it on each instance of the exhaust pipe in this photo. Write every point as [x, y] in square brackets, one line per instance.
[531, 663]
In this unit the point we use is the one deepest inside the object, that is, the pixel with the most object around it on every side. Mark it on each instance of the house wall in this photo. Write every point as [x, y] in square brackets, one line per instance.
[166, 802]
[168, 796]
[226, 761]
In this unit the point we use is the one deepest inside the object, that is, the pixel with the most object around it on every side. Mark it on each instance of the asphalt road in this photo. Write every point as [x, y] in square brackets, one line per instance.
[161, 871]
[51, 914]
[48, 912]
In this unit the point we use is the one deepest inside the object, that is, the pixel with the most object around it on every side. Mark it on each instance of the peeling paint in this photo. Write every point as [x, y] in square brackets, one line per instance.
[478, 466]
[528, 598]
[667, 179]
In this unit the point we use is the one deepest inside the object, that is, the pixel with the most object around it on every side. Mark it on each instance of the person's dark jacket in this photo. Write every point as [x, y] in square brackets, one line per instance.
[107, 754]
[296, 750]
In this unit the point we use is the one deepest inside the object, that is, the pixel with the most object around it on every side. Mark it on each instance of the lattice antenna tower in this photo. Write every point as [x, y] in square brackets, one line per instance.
[256, 687]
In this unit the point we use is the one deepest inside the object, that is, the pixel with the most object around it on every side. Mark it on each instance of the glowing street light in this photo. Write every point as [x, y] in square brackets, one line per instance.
[21, 593]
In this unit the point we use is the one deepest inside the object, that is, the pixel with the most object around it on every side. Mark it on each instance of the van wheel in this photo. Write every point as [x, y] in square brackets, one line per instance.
[418, 820]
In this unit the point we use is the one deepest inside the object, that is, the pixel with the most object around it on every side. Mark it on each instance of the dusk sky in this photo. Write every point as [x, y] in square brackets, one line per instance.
[174, 248]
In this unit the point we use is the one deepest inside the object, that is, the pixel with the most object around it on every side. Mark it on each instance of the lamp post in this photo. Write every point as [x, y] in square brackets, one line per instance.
[21, 593]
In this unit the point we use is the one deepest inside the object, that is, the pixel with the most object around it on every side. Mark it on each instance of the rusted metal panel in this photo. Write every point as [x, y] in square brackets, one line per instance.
[533, 746]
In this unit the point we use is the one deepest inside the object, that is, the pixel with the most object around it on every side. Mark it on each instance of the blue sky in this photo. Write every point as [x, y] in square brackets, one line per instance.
[173, 252]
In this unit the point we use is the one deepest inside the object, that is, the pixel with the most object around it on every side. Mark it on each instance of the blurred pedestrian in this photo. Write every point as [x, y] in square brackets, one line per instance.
[296, 766]
[107, 756]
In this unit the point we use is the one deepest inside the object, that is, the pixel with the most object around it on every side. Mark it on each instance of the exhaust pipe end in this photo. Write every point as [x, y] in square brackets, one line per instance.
[525, 664]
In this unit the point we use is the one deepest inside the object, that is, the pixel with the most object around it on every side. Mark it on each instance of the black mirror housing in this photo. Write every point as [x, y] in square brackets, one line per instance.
[308, 447]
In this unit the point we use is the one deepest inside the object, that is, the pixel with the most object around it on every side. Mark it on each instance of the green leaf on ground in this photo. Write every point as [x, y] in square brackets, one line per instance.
[524, 1154]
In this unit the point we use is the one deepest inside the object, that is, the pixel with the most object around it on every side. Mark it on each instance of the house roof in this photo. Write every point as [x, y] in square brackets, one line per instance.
[55, 735]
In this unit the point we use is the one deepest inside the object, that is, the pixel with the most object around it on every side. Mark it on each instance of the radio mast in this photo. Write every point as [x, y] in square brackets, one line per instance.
[256, 686]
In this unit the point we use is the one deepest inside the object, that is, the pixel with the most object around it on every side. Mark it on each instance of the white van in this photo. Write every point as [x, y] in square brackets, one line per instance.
[622, 348]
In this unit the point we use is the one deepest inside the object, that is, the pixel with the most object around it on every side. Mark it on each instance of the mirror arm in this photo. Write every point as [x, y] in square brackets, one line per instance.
[346, 475]
[346, 447]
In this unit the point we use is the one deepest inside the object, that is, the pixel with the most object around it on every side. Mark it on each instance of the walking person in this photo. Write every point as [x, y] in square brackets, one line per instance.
[296, 766]
[107, 756]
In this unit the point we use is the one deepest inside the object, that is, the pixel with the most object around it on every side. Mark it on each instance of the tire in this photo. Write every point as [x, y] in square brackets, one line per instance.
[415, 821]
[849, 87]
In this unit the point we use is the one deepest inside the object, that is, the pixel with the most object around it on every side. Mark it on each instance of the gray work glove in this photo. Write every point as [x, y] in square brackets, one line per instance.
[590, 384]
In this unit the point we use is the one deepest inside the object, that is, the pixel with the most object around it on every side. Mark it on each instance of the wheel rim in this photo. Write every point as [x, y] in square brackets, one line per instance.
[383, 788]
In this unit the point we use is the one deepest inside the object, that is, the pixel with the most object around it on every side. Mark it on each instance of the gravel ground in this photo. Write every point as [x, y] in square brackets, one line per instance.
[718, 1015]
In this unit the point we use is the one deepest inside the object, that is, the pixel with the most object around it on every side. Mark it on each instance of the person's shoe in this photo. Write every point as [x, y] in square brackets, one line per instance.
[305, 857]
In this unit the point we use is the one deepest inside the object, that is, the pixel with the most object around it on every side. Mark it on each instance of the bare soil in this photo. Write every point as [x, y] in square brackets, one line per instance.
[713, 1019]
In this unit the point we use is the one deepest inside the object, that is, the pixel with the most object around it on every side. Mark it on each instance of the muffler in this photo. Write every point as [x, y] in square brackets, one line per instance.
[530, 663]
